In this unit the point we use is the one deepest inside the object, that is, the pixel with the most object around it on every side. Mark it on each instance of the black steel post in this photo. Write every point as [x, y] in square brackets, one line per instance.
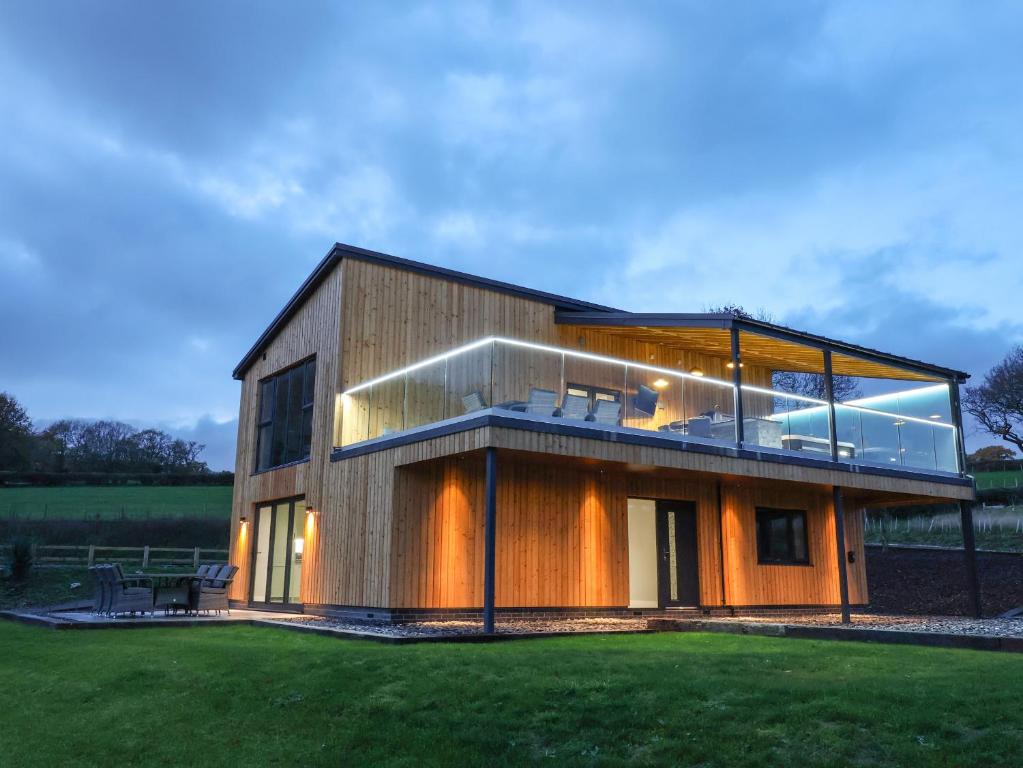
[957, 416]
[740, 432]
[490, 541]
[829, 395]
[970, 551]
[843, 576]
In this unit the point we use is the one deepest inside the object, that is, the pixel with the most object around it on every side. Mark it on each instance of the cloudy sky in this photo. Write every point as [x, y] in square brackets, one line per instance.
[169, 173]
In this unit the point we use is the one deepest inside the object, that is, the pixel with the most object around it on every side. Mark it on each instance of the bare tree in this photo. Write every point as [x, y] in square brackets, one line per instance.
[998, 403]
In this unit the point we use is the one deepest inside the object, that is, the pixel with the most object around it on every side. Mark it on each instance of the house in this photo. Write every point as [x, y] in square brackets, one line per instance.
[415, 441]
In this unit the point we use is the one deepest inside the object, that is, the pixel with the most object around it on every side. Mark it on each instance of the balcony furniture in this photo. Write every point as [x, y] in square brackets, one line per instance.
[132, 594]
[763, 432]
[606, 412]
[542, 402]
[474, 402]
[698, 426]
[575, 407]
[817, 445]
[645, 400]
[211, 593]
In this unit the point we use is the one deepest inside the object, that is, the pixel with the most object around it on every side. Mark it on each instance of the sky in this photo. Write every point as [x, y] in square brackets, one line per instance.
[170, 173]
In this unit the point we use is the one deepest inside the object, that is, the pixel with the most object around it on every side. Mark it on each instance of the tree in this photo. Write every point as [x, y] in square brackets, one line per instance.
[991, 453]
[998, 403]
[798, 382]
[15, 434]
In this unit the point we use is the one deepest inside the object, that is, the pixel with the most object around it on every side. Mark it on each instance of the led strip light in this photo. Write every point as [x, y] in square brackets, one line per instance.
[854, 404]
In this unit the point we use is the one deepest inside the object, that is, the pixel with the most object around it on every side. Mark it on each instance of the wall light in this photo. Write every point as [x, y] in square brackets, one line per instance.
[696, 371]
[660, 383]
[730, 365]
[243, 521]
[310, 511]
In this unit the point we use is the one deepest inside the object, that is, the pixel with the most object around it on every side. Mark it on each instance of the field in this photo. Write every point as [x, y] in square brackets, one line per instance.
[116, 501]
[256, 696]
[1008, 479]
[997, 528]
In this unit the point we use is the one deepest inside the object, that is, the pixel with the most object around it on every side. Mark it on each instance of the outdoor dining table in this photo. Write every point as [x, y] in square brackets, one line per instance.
[170, 590]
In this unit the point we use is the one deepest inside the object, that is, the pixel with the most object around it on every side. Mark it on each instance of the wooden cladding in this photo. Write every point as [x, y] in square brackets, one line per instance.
[562, 538]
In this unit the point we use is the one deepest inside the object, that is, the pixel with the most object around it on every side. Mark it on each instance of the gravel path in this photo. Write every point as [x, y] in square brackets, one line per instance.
[507, 626]
[956, 625]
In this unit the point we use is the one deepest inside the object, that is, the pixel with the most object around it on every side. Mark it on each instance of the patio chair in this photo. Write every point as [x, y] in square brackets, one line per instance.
[575, 407]
[210, 593]
[127, 594]
[606, 412]
[474, 402]
[99, 599]
[542, 402]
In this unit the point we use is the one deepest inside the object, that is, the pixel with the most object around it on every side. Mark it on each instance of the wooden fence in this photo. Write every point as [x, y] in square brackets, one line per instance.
[69, 554]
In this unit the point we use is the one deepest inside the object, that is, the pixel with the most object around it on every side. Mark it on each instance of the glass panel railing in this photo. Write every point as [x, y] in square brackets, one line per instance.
[910, 428]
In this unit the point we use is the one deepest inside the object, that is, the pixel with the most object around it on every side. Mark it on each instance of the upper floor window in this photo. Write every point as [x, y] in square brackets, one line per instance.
[781, 537]
[285, 420]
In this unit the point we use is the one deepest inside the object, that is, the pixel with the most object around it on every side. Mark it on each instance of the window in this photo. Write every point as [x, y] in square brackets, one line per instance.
[593, 394]
[781, 537]
[285, 422]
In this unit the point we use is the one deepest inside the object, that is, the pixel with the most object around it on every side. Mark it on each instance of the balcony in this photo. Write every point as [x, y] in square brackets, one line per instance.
[881, 420]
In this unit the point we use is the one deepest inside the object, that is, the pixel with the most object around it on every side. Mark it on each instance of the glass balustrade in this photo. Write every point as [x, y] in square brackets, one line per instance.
[910, 424]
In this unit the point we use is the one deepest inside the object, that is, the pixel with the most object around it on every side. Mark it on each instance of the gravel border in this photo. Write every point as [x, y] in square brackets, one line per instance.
[947, 625]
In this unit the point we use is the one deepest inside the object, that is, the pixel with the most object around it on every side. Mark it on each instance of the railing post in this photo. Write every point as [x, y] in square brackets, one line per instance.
[957, 416]
[145, 556]
[829, 395]
[740, 428]
[92, 555]
[970, 555]
[490, 540]
[195, 558]
[843, 576]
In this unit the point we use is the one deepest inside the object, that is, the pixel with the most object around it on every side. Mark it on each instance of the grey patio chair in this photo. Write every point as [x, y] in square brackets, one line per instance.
[474, 402]
[99, 599]
[606, 412]
[575, 407]
[127, 594]
[542, 402]
[210, 594]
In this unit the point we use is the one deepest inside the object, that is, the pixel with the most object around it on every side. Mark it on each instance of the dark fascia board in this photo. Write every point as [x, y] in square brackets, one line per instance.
[490, 418]
[725, 320]
[341, 251]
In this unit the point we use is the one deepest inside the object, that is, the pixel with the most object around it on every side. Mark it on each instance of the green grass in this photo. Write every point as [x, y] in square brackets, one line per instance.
[255, 696]
[992, 480]
[114, 501]
[46, 586]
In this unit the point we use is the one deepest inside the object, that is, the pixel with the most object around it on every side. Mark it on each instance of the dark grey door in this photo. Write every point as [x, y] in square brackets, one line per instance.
[678, 568]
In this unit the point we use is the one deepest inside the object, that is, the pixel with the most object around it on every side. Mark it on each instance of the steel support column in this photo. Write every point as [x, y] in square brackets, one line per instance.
[843, 576]
[740, 432]
[970, 552]
[829, 395]
[490, 541]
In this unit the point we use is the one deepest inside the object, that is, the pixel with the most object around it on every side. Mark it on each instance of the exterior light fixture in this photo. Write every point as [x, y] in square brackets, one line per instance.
[660, 383]
[243, 520]
[730, 365]
[899, 423]
[697, 371]
[310, 511]
[935, 416]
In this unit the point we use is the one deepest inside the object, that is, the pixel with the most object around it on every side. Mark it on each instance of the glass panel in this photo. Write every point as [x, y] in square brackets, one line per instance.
[386, 407]
[528, 380]
[653, 400]
[709, 407]
[672, 556]
[293, 446]
[280, 417]
[297, 550]
[894, 417]
[262, 545]
[279, 552]
[265, 445]
[469, 382]
[266, 401]
[424, 399]
[798, 537]
[355, 416]
[307, 432]
[308, 383]
[784, 396]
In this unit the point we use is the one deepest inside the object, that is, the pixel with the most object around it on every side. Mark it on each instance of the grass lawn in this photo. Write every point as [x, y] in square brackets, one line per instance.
[114, 501]
[46, 586]
[254, 696]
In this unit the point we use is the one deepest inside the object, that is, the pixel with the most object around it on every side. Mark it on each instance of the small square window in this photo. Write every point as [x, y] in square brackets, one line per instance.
[781, 537]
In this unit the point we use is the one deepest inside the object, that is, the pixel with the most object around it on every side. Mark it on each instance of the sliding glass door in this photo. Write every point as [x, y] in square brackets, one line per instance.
[277, 553]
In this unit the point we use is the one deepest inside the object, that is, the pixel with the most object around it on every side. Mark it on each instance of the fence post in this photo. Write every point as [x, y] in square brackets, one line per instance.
[92, 555]
[145, 556]
[195, 558]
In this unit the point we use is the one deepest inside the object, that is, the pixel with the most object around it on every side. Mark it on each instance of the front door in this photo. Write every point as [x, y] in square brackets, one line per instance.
[277, 553]
[678, 574]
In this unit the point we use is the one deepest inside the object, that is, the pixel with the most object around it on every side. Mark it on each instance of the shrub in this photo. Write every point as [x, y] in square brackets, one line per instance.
[21, 558]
